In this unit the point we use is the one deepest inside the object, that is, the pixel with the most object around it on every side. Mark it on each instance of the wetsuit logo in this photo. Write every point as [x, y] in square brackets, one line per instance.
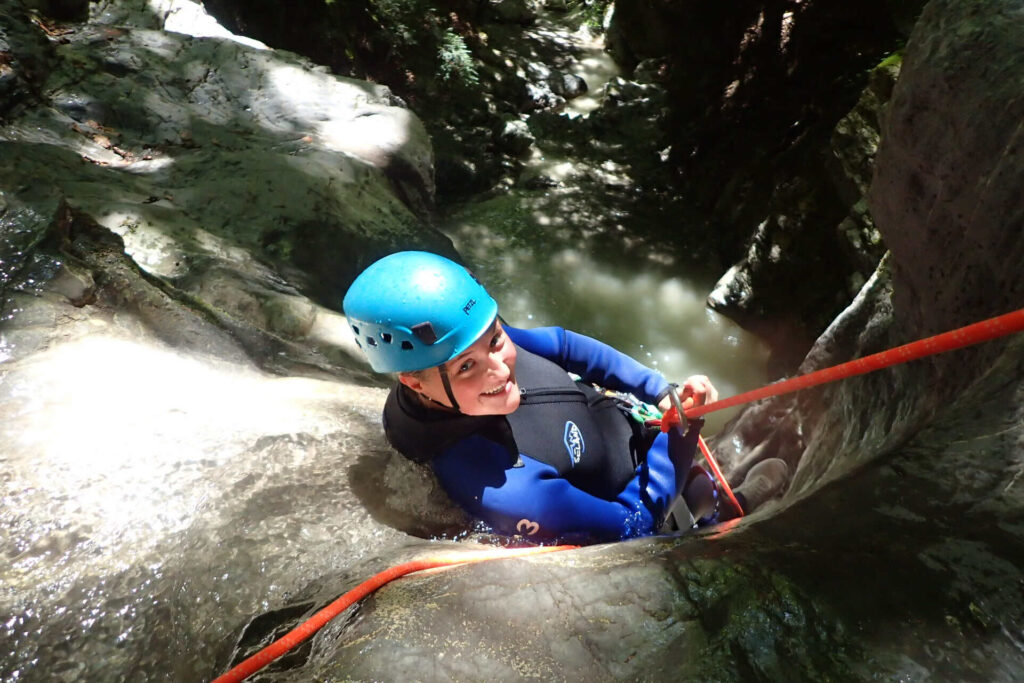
[573, 440]
[527, 528]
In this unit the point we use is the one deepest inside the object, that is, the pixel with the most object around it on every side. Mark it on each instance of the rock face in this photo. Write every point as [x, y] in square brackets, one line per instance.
[761, 97]
[818, 238]
[177, 216]
[162, 248]
[466, 68]
[244, 177]
[897, 552]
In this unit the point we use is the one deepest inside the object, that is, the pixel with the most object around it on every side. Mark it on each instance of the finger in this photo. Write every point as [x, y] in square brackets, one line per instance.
[701, 389]
[696, 388]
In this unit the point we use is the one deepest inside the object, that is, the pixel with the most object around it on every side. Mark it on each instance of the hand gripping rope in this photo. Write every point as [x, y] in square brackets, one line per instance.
[671, 419]
[948, 341]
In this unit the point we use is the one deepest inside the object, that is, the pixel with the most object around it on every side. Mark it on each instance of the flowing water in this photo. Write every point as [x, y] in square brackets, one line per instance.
[566, 255]
[153, 502]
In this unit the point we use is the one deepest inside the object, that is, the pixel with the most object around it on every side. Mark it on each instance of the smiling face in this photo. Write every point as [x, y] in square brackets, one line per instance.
[482, 377]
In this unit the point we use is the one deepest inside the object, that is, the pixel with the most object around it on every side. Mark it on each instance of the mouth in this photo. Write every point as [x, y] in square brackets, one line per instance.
[502, 388]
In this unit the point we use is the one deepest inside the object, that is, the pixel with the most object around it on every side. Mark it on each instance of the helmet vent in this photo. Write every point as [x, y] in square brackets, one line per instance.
[385, 337]
[371, 341]
[356, 330]
[406, 345]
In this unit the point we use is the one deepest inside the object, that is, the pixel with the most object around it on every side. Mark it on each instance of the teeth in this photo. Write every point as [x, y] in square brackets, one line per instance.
[495, 390]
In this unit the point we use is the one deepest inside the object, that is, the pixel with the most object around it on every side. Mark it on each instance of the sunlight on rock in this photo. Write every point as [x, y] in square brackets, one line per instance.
[596, 67]
[108, 394]
[147, 241]
[191, 19]
[556, 169]
[365, 130]
[127, 438]
[331, 329]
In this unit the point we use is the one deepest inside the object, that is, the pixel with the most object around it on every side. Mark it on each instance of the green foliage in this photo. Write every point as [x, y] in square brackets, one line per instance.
[892, 59]
[406, 21]
[417, 40]
[456, 61]
[591, 12]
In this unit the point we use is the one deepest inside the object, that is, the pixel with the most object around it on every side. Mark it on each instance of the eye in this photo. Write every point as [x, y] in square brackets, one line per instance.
[496, 339]
[466, 366]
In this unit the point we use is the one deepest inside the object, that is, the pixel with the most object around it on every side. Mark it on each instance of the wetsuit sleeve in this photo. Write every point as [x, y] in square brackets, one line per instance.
[594, 361]
[534, 501]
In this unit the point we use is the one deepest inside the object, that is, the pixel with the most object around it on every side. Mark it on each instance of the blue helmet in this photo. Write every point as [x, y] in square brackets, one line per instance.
[415, 310]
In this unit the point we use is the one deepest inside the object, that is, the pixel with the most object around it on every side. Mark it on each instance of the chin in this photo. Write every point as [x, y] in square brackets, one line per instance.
[512, 404]
[514, 399]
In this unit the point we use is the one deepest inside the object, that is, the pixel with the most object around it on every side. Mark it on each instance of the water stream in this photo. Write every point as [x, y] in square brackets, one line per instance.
[154, 501]
[565, 255]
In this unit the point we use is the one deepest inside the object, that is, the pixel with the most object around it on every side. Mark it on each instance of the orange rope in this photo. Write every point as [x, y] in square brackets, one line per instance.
[288, 641]
[719, 477]
[669, 420]
[948, 341]
[969, 335]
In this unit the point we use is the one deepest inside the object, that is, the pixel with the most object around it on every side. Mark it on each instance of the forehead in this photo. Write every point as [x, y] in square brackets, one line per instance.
[481, 341]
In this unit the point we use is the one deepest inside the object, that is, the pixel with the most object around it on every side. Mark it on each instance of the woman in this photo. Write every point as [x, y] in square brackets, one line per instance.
[511, 436]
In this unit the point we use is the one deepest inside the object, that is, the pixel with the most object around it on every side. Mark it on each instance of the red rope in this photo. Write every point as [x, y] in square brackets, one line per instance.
[288, 641]
[947, 341]
[719, 477]
[670, 420]
[985, 330]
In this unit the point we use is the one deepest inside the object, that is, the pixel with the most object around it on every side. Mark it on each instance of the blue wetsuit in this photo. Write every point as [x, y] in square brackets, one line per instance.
[542, 497]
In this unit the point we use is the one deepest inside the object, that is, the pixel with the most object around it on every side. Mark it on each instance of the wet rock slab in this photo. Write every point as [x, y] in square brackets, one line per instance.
[180, 457]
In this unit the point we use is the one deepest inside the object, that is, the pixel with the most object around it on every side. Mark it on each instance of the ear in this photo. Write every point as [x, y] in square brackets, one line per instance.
[411, 381]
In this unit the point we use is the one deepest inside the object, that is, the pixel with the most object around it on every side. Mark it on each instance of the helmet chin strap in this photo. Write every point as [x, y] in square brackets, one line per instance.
[446, 383]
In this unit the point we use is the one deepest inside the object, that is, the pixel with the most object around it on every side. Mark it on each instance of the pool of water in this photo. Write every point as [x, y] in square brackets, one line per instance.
[548, 270]
[578, 252]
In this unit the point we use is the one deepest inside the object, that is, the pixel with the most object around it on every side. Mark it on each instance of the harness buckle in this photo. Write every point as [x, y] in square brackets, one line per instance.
[674, 416]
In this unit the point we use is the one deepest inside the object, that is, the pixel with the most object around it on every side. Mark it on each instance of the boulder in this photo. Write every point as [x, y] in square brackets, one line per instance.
[179, 218]
[192, 462]
[567, 85]
[896, 553]
[515, 136]
[513, 11]
[179, 144]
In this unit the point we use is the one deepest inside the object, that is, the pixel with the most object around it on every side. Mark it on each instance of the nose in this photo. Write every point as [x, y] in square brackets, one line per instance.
[496, 361]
